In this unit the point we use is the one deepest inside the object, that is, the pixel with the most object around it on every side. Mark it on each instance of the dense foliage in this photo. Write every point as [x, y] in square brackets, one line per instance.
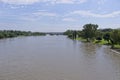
[91, 33]
[71, 33]
[14, 33]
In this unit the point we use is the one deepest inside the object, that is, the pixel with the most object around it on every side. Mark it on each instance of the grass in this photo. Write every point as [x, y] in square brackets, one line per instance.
[117, 46]
[102, 42]
[81, 39]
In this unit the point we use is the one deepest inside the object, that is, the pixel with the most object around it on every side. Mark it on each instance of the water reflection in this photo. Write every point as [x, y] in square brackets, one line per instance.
[88, 48]
[56, 58]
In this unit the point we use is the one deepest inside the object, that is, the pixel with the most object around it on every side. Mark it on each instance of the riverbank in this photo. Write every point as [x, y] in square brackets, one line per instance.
[15, 33]
[116, 51]
[116, 48]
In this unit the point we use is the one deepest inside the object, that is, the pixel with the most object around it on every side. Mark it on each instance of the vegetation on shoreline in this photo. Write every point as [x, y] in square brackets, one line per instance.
[91, 33]
[14, 33]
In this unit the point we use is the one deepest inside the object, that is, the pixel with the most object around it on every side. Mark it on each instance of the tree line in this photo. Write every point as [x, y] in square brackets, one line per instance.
[15, 33]
[90, 32]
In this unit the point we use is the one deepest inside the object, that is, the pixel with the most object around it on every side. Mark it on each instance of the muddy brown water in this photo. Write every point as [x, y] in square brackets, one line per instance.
[56, 58]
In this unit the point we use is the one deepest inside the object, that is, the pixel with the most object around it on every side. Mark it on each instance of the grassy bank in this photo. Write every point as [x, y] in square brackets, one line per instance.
[101, 42]
[117, 46]
[104, 42]
[81, 39]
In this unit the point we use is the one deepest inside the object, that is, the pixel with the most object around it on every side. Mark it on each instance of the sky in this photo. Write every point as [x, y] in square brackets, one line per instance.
[58, 15]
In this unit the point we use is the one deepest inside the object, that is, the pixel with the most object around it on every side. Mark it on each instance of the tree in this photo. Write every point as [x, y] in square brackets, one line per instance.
[11, 33]
[106, 37]
[71, 34]
[74, 34]
[89, 31]
[115, 37]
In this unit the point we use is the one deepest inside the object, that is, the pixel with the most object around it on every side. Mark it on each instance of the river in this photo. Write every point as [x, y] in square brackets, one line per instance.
[56, 58]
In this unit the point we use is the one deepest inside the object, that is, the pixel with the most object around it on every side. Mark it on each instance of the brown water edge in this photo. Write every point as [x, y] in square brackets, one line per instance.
[116, 51]
[56, 58]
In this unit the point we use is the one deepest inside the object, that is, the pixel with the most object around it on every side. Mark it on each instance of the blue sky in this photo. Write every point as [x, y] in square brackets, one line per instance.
[58, 15]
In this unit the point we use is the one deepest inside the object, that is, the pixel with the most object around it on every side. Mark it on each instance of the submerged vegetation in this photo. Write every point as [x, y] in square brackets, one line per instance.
[91, 33]
[14, 33]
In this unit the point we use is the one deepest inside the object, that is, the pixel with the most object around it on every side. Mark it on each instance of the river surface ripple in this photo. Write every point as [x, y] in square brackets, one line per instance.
[56, 58]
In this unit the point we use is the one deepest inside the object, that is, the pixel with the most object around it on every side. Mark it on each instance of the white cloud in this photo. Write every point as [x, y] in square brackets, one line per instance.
[69, 19]
[20, 1]
[38, 15]
[67, 1]
[25, 2]
[45, 13]
[13, 7]
[101, 2]
[27, 18]
[91, 14]
[16, 7]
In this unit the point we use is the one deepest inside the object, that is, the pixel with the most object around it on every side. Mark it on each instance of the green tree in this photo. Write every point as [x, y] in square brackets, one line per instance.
[115, 37]
[71, 33]
[89, 31]
[11, 33]
[106, 37]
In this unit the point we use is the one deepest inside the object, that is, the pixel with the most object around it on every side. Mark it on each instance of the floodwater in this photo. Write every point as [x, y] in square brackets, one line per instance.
[56, 58]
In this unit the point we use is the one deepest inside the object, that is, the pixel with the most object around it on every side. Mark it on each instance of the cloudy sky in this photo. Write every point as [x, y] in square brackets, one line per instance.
[58, 15]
